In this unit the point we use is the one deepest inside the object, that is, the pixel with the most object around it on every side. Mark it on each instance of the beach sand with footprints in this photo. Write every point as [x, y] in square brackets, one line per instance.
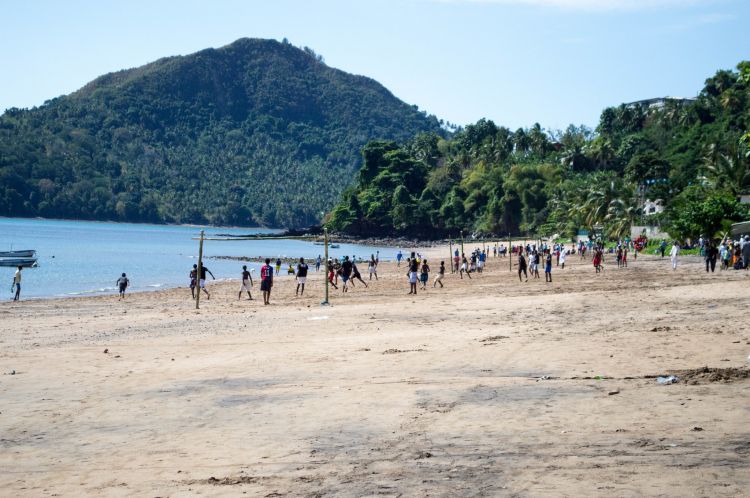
[488, 387]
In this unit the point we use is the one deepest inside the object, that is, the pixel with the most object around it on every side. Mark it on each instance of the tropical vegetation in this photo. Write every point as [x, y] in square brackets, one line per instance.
[690, 156]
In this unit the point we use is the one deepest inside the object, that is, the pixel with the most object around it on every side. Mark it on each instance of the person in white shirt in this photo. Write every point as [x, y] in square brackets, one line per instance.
[673, 254]
[17, 284]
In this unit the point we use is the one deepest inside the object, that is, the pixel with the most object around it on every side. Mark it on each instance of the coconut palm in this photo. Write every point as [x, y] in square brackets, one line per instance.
[730, 171]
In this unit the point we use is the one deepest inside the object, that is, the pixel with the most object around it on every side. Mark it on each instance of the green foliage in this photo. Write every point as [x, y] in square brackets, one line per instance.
[257, 132]
[698, 211]
[489, 179]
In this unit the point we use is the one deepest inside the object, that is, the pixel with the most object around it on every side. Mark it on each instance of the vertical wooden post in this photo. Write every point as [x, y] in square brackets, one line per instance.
[510, 255]
[450, 249]
[462, 243]
[327, 269]
[198, 273]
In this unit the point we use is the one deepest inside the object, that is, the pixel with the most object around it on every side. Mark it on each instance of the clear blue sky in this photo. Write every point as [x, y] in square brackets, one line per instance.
[514, 61]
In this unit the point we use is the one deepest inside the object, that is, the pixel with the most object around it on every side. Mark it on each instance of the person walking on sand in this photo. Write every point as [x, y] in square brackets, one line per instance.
[598, 260]
[301, 276]
[663, 247]
[440, 275]
[399, 256]
[424, 276]
[356, 275]
[464, 268]
[673, 254]
[562, 258]
[122, 284]
[278, 266]
[548, 268]
[202, 282]
[193, 280]
[522, 266]
[266, 281]
[372, 267]
[17, 284]
[317, 263]
[247, 283]
[346, 272]
[412, 274]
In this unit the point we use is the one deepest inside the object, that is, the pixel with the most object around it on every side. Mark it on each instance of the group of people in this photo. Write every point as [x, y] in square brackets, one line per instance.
[729, 253]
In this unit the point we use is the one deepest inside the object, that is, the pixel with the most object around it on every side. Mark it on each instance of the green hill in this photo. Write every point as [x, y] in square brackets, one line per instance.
[257, 132]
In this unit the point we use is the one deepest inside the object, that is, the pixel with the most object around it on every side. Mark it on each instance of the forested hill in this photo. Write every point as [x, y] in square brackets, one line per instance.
[690, 156]
[256, 132]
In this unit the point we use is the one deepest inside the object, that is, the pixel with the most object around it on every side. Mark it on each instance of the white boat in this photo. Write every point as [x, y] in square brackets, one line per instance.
[25, 253]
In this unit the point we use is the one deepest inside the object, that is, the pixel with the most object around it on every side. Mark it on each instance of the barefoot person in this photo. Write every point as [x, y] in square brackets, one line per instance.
[346, 273]
[247, 282]
[17, 284]
[440, 275]
[193, 279]
[372, 267]
[203, 279]
[424, 276]
[356, 275]
[301, 276]
[122, 284]
[412, 274]
[673, 253]
[266, 281]
[548, 268]
[522, 266]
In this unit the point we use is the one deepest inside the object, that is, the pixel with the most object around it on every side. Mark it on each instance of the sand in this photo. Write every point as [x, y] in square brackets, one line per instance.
[488, 387]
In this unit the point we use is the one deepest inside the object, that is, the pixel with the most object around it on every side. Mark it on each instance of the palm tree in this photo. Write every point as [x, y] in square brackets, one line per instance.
[729, 171]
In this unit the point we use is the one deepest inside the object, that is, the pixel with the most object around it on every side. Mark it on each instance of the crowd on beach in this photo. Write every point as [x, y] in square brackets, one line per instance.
[343, 272]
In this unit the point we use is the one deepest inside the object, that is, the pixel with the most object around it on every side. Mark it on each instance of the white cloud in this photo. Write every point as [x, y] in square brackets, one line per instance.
[590, 5]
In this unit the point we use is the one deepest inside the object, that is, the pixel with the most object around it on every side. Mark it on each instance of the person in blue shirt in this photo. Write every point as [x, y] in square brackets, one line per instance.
[399, 256]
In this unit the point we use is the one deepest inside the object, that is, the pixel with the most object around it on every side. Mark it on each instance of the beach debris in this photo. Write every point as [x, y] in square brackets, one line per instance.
[612, 393]
[494, 338]
[12, 372]
[423, 454]
[546, 377]
[106, 350]
[697, 429]
[324, 317]
[670, 379]
[396, 351]
[708, 374]
[117, 356]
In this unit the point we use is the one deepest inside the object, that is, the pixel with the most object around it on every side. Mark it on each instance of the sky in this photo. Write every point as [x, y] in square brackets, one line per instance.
[517, 62]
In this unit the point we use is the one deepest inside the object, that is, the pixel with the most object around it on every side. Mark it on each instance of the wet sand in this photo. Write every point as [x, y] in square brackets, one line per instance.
[488, 387]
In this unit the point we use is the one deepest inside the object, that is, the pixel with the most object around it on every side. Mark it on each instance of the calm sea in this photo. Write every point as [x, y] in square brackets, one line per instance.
[83, 257]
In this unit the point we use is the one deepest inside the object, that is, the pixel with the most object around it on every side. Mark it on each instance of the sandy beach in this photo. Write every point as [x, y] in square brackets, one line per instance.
[488, 387]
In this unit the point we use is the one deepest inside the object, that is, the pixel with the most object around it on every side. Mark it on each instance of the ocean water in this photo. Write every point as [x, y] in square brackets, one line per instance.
[85, 258]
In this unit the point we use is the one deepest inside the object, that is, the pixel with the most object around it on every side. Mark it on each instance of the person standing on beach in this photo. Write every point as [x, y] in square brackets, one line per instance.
[331, 273]
[711, 255]
[301, 276]
[203, 279]
[440, 275]
[247, 282]
[424, 276]
[193, 279]
[663, 247]
[673, 254]
[346, 272]
[522, 266]
[399, 256]
[563, 251]
[456, 261]
[317, 263]
[548, 267]
[266, 281]
[412, 274]
[372, 267]
[17, 284]
[745, 251]
[122, 284]
[464, 267]
[278, 266]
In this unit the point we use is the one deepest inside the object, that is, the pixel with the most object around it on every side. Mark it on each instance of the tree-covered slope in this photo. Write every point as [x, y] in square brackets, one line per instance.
[691, 155]
[257, 132]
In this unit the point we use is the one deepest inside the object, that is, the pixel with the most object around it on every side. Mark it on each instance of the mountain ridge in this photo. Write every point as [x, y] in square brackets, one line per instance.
[123, 146]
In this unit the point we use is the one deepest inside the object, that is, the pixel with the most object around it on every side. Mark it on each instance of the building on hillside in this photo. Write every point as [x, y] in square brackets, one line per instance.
[652, 207]
[660, 102]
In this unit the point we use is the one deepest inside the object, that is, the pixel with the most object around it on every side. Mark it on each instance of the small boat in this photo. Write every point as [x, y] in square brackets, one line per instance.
[334, 246]
[14, 262]
[26, 253]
